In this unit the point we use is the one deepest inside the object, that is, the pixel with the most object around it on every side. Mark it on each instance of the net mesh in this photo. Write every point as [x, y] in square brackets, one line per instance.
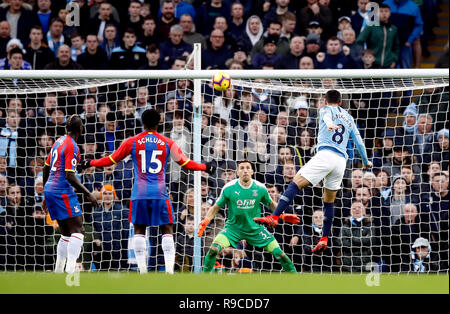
[274, 124]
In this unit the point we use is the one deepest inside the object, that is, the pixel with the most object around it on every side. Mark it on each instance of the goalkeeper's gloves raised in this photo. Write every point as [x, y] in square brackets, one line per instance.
[201, 228]
[85, 164]
[210, 167]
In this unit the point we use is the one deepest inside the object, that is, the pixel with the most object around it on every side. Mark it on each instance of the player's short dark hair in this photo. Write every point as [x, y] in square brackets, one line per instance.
[333, 97]
[14, 51]
[129, 30]
[150, 118]
[74, 124]
[243, 161]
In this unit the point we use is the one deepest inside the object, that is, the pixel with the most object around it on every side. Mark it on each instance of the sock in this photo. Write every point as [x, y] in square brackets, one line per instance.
[328, 212]
[284, 260]
[61, 254]
[287, 198]
[210, 258]
[140, 245]
[168, 248]
[73, 251]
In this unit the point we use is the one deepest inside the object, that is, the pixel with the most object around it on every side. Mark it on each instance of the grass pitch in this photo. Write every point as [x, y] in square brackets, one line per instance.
[160, 283]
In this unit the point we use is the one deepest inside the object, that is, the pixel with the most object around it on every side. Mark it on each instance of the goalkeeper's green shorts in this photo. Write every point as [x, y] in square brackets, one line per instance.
[261, 238]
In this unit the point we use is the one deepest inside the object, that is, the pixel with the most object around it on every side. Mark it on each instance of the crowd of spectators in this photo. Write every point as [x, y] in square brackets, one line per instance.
[395, 215]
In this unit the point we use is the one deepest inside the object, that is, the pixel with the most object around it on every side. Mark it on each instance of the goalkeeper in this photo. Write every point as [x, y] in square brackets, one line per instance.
[243, 197]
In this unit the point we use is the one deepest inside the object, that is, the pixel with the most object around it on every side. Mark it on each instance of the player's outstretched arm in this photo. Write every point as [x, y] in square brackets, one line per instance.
[212, 212]
[123, 151]
[360, 146]
[178, 155]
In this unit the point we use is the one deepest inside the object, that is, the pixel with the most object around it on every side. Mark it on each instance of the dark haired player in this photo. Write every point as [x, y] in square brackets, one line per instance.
[244, 196]
[60, 199]
[336, 126]
[150, 204]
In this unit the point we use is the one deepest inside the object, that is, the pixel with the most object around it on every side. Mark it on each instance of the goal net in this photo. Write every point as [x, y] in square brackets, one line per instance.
[393, 217]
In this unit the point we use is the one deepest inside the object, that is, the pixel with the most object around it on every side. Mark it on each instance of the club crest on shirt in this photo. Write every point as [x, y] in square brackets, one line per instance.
[255, 193]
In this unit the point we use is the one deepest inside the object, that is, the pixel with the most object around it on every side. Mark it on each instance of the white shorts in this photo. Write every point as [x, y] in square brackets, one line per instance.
[325, 165]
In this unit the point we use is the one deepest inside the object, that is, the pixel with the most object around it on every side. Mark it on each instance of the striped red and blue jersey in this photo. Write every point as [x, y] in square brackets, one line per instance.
[150, 153]
[64, 156]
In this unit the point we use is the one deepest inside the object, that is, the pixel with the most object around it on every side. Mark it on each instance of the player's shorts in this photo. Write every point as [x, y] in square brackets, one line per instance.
[155, 212]
[62, 206]
[325, 165]
[260, 238]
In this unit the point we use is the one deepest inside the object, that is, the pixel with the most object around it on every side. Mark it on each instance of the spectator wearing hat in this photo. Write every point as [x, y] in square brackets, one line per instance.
[189, 34]
[253, 32]
[312, 47]
[292, 60]
[382, 39]
[111, 227]
[335, 57]
[384, 153]
[314, 28]
[269, 54]
[37, 52]
[344, 22]
[423, 259]
[4, 37]
[215, 56]
[315, 11]
[408, 130]
[301, 122]
[440, 152]
[274, 29]
[174, 46]
[20, 20]
[359, 19]
[407, 18]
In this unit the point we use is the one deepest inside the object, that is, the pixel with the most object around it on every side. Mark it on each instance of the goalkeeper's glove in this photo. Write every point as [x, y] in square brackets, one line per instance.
[270, 220]
[210, 167]
[201, 228]
[291, 218]
[85, 164]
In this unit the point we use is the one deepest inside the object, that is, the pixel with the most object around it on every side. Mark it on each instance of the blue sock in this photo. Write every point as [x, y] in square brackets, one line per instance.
[287, 197]
[328, 212]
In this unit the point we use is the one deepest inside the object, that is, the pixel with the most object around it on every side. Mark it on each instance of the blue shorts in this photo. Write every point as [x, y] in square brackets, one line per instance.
[62, 206]
[151, 212]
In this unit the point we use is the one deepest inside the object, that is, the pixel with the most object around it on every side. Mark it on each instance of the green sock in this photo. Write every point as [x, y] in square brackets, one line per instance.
[210, 258]
[285, 261]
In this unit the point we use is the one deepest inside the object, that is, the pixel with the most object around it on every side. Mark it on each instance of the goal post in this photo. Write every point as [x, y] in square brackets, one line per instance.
[379, 100]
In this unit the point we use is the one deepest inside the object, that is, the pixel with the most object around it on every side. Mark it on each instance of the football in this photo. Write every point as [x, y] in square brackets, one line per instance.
[221, 81]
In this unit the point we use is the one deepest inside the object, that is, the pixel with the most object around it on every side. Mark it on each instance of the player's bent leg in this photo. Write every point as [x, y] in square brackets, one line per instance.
[274, 248]
[328, 211]
[168, 247]
[285, 200]
[220, 242]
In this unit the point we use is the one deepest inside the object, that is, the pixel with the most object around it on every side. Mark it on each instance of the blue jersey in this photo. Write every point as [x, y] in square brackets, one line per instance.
[337, 140]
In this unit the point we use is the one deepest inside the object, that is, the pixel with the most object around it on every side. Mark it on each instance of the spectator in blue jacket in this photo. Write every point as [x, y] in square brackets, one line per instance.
[174, 47]
[359, 19]
[405, 14]
[237, 22]
[111, 230]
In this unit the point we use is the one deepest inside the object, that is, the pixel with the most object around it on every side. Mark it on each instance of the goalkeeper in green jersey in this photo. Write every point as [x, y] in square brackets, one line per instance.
[243, 197]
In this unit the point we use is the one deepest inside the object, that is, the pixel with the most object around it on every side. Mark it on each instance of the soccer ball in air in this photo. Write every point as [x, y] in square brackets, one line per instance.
[221, 81]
